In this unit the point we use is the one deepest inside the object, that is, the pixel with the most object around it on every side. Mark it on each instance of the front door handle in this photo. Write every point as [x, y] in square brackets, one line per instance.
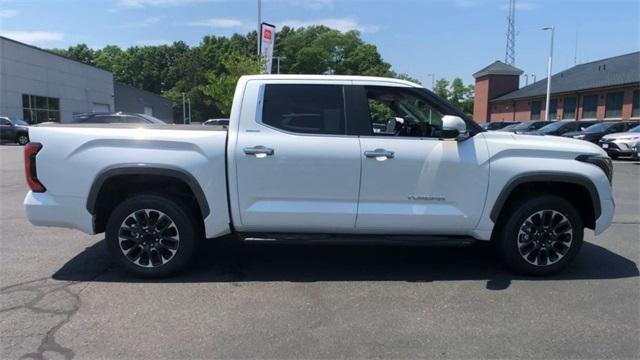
[379, 154]
[258, 151]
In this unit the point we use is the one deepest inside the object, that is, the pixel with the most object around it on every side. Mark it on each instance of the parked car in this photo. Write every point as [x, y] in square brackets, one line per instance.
[636, 152]
[558, 128]
[620, 144]
[595, 132]
[491, 126]
[14, 130]
[508, 128]
[297, 165]
[526, 126]
[219, 122]
[117, 117]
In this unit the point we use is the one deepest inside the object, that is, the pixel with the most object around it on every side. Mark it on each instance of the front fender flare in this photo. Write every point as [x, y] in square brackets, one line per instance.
[546, 178]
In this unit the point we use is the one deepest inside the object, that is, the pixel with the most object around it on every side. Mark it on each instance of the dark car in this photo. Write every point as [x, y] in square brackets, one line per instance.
[508, 128]
[219, 122]
[491, 126]
[118, 117]
[14, 130]
[561, 127]
[595, 132]
[526, 126]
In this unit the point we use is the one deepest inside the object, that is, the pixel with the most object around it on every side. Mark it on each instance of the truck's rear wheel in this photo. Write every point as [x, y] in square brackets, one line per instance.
[541, 236]
[152, 236]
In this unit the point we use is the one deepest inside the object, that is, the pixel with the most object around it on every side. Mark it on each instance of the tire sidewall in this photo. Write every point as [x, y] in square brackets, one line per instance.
[509, 234]
[182, 218]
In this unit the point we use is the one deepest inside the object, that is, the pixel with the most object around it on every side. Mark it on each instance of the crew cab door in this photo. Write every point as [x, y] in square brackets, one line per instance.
[296, 170]
[414, 182]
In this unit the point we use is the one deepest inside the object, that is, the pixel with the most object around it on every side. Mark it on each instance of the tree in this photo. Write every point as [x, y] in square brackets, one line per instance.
[221, 87]
[441, 88]
[456, 93]
[207, 73]
[80, 52]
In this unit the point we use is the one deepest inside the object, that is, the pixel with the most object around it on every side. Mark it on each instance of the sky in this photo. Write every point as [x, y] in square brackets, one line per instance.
[452, 38]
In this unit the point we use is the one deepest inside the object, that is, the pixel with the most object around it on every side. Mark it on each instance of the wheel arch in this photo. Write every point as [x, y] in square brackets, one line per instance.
[572, 187]
[134, 173]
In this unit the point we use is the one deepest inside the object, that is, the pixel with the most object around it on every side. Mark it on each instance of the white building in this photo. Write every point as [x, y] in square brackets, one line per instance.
[37, 85]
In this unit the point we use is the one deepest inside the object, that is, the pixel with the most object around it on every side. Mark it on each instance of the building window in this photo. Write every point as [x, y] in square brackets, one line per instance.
[635, 112]
[569, 111]
[614, 105]
[553, 109]
[535, 110]
[590, 107]
[37, 109]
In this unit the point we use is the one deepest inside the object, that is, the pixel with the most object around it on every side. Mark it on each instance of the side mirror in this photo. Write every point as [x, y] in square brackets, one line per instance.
[453, 127]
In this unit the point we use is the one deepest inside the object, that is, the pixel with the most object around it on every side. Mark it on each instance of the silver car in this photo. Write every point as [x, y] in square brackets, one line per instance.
[621, 144]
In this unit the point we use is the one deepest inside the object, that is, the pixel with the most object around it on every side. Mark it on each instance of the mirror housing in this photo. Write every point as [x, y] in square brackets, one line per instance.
[453, 127]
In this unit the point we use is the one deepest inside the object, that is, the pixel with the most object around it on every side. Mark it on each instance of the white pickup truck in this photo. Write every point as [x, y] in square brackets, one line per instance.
[315, 159]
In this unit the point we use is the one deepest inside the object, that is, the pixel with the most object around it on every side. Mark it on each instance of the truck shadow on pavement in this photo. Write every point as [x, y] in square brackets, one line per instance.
[229, 261]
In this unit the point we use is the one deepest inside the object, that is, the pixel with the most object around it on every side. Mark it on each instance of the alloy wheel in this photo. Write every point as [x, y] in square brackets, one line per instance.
[545, 237]
[148, 238]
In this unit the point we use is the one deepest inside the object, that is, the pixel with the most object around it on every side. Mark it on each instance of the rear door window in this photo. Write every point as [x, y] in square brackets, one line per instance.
[306, 109]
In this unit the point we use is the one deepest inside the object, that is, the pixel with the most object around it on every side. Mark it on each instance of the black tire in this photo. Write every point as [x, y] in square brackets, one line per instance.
[549, 250]
[22, 139]
[159, 246]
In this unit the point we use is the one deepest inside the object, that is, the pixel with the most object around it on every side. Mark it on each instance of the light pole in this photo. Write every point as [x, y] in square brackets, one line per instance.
[433, 80]
[189, 103]
[184, 110]
[259, 32]
[546, 108]
[278, 58]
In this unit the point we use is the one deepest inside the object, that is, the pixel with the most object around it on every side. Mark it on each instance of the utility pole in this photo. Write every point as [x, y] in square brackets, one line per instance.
[575, 53]
[433, 80]
[546, 110]
[184, 110]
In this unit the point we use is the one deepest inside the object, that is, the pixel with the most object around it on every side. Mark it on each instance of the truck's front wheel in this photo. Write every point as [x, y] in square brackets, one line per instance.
[541, 236]
[151, 235]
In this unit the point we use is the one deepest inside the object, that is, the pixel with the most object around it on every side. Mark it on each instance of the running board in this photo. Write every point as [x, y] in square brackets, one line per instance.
[356, 239]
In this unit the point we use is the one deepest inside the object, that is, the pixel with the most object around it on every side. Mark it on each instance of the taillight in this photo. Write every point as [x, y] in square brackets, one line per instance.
[30, 152]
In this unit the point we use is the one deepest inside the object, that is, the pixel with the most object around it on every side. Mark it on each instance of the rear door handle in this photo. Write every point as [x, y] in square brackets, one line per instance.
[258, 150]
[379, 154]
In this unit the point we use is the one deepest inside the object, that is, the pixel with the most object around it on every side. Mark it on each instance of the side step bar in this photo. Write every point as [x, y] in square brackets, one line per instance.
[356, 239]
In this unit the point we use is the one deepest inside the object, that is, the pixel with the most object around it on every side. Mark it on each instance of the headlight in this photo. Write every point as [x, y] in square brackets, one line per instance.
[578, 136]
[629, 138]
[603, 162]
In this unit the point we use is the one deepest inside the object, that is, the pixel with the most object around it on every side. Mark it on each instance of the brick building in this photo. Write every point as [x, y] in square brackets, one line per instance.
[606, 89]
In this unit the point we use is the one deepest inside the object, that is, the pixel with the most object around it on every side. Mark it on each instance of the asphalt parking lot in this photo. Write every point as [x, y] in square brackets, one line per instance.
[62, 298]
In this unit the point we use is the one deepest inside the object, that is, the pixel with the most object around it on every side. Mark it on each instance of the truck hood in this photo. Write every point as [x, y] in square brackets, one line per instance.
[561, 146]
[621, 135]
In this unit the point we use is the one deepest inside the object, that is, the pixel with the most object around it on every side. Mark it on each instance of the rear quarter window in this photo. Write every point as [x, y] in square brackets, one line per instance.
[306, 109]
